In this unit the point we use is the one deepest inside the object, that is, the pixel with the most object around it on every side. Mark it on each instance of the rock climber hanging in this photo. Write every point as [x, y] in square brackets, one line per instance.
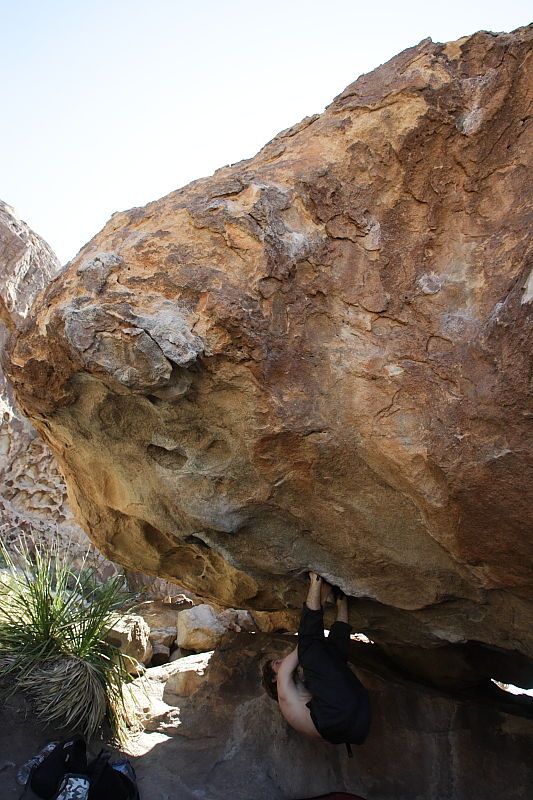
[331, 703]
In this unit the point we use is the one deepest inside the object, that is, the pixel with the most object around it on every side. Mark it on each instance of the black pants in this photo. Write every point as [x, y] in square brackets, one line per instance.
[340, 708]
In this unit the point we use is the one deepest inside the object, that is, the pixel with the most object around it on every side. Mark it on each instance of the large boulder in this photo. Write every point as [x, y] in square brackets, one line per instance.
[27, 266]
[33, 492]
[201, 628]
[316, 358]
[162, 620]
[187, 675]
[276, 621]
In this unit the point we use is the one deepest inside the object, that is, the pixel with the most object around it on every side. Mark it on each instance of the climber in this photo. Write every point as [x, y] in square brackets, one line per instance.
[331, 704]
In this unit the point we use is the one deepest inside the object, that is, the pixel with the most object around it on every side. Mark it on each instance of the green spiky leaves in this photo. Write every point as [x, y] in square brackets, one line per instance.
[53, 620]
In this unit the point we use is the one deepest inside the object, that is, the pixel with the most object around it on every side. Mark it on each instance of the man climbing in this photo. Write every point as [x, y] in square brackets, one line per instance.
[332, 704]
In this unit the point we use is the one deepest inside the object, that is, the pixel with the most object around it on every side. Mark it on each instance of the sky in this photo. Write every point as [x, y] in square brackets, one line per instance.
[108, 104]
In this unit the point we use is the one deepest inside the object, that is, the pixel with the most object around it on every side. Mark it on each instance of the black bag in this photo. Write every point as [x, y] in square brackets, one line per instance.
[61, 772]
[69, 756]
[111, 781]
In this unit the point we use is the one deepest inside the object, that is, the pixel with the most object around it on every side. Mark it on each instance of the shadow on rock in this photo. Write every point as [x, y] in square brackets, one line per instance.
[230, 740]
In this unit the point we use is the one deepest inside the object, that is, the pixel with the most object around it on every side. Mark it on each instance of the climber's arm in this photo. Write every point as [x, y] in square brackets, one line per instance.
[287, 667]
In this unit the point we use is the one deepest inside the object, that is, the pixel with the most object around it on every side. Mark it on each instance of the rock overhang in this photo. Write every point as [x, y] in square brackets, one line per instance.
[316, 358]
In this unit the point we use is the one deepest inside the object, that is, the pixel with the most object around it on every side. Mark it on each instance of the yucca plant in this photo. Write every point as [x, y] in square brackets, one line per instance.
[53, 621]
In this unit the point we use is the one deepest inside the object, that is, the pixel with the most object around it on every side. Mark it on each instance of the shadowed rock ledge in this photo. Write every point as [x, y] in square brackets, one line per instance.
[318, 357]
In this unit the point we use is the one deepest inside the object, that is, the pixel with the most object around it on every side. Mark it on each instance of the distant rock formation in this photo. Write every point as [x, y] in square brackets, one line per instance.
[32, 491]
[28, 265]
[318, 357]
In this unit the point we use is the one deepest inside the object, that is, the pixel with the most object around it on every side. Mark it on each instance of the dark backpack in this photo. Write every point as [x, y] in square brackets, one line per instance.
[111, 780]
[61, 772]
[48, 769]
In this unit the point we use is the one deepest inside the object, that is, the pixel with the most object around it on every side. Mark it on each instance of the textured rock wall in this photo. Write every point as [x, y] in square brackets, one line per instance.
[33, 496]
[28, 266]
[318, 357]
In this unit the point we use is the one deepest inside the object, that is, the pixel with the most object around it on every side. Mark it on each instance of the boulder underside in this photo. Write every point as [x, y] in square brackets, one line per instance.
[318, 358]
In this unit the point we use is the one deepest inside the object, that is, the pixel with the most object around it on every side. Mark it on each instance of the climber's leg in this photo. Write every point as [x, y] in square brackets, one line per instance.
[339, 635]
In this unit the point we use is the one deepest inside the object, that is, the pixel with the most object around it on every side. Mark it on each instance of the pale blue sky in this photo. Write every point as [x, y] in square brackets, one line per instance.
[108, 104]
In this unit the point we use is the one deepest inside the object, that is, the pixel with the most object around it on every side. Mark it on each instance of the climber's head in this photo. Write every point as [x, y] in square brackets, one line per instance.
[270, 677]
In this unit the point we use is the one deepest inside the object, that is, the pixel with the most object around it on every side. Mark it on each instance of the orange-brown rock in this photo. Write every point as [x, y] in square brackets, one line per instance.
[318, 358]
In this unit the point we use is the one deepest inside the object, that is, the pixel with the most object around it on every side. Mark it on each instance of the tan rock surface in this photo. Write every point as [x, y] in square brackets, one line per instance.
[33, 495]
[28, 264]
[236, 619]
[160, 690]
[163, 636]
[158, 614]
[130, 634]
[199, 628]
[276, 621]
[318, 357]
[162, 620]
[160, 652]
[188, 675]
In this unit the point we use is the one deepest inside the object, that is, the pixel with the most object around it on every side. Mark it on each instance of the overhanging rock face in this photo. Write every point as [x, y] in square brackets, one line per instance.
[318, 358]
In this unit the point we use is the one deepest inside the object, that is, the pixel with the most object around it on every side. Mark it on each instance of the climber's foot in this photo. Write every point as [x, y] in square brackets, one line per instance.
[342, 606]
